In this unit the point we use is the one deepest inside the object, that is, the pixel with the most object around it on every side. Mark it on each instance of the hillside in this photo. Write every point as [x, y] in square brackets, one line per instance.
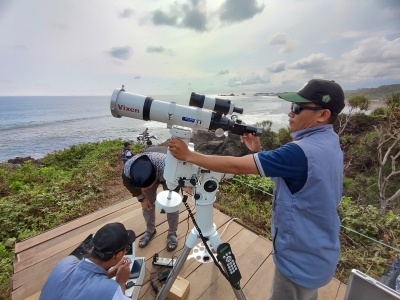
[378, 93]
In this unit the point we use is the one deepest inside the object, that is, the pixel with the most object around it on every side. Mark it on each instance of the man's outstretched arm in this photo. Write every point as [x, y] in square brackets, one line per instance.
[221, 164]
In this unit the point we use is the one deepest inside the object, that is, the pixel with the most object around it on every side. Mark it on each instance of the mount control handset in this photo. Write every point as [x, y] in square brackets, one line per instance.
[227, 259]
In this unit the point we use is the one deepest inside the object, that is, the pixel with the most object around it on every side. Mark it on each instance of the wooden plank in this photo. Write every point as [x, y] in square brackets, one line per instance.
[48, 248]
[44, 267]
[34, 297]
[192, 264]
[62, 229]
[212, 273]
[47, 243]
[189, 266]
[260, 284]
[329, 291]
[32, 278]
[34, 286]
[341, 292]
[250, 254]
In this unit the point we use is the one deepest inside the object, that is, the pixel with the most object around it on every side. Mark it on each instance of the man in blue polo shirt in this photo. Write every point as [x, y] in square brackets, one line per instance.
[308, 177]
[74, 279]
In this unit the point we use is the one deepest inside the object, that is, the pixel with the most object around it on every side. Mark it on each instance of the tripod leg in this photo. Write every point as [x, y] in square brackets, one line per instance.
[174, 273]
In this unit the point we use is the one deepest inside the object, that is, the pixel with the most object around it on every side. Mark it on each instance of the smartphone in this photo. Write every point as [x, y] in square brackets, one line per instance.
[136, 267]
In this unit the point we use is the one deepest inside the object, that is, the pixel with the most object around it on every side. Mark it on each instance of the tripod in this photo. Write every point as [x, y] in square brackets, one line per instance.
[204, 197]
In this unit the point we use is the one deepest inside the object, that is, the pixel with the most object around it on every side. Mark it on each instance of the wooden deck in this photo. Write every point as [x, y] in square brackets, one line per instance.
[35, 257]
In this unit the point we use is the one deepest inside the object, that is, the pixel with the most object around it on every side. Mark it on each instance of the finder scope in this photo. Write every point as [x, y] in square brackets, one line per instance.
[224, 106]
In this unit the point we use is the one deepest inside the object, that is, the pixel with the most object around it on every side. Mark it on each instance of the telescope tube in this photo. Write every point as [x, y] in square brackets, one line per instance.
[146, 108]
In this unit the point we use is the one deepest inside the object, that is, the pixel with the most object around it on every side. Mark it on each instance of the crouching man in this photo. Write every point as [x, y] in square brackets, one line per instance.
[89, 278]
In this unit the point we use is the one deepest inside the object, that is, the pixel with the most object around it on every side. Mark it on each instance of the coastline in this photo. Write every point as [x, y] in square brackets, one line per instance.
[18, 159]
[376, 104]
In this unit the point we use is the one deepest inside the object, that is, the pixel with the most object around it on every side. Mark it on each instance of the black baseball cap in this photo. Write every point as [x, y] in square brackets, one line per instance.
[126, 144]
[112, 238]
[325, 93]
[142, 172]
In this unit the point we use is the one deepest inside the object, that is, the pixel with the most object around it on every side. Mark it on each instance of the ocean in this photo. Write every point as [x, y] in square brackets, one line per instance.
[38, 125]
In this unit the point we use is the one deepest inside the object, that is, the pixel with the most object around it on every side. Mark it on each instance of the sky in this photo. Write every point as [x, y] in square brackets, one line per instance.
[163, 47]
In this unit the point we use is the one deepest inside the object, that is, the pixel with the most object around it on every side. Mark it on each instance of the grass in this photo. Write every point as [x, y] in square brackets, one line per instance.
[68, 184]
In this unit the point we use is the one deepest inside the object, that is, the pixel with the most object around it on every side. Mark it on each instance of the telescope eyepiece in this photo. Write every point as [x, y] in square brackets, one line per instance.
[238, 110]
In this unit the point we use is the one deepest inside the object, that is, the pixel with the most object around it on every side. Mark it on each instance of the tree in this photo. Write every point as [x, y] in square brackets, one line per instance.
[356, 104]
[389, 151]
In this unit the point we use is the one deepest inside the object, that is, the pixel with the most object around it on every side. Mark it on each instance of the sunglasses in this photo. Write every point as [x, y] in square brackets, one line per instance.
[127, 248]
[296, 108]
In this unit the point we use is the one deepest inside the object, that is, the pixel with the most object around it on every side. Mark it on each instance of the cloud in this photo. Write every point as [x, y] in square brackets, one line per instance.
[60, 26]
[123, 53]
[282, 39]
[315, 63]
[137, 77]
[127, 13]
[223, 72]
[161, 18]
[369, 60]
[194, 19]
[235, 11]
[155, 49]
[352, 34]
[277, 67]
[3, 5]
[160, 49]
[192, 16]
[251, 79]
[372, 57]
[375, 50]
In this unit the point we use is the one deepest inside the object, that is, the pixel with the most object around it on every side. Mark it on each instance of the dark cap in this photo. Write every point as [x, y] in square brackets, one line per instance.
[325, 93]
[112, 238]
[126, 144]
[142, 172]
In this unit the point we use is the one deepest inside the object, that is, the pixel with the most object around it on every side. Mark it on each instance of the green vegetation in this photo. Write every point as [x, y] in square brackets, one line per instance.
[252, 203]
[67, 185]
[378, 93]
[71, 183]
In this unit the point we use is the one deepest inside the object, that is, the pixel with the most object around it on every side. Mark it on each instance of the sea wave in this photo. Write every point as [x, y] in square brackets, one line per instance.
[33, 124]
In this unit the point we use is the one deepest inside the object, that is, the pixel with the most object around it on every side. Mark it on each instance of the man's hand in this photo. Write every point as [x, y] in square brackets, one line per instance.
[252, 142]
[123, 261]
[113, 271]
[179, 149]
[123, 273]
[146, 205]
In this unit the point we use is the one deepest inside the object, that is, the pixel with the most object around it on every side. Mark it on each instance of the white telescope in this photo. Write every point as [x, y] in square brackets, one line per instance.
[183, 122]
[146, 108]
